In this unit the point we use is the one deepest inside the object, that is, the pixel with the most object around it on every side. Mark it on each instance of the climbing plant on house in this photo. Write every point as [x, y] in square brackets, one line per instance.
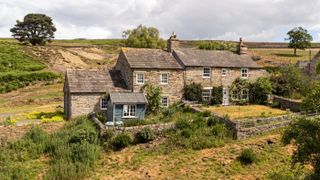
[193, 92]
[153, 95]
[239, 91]
[216, 95]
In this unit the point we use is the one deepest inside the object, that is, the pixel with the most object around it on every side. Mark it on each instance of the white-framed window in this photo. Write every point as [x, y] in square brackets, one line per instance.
[245, 94]
[140, 78]
[103, 103]
[244, 72]
[164, 78]
[235, 95]
[165, 101]
[129, 111]
[206, 94]
[224, 72]
[206, 72]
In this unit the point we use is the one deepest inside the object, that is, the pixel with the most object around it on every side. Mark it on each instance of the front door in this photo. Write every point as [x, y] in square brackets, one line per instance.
[225, 98]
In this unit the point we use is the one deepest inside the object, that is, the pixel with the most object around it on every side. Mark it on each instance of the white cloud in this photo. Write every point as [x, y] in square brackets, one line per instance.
[254, 20]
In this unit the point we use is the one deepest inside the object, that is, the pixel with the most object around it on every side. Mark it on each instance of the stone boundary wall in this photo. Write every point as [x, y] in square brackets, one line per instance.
[157, 128]
[285, 103]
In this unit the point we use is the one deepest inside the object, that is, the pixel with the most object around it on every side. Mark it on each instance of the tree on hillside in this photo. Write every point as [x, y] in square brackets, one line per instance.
[36, 29]
[143, 37]
[299, 39]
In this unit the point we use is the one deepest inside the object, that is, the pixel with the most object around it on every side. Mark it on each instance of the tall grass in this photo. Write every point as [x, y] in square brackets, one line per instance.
[73, 151]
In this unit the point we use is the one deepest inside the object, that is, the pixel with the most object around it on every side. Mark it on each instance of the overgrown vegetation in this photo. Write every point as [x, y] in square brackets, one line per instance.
[311, 102]
[304, 133]
[153, 95]
[260, 90]
[247, 156]
[216, 95]
[73, 152]
[17, 69]
[217, 45]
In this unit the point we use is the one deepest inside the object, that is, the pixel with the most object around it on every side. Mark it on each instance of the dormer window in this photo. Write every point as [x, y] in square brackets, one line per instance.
[244, 73]
[206, 72]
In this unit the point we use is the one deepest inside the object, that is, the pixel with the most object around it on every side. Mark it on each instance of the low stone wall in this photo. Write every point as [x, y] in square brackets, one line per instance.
[285, 103]
[156, 128]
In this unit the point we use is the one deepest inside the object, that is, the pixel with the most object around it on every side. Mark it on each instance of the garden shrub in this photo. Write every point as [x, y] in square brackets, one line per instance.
[193, 92]
[260, 90]
[84, 135]
[121, 141]
[212, 121]
[247, 156]
[206, 113]
[217, 95]
[144, 136]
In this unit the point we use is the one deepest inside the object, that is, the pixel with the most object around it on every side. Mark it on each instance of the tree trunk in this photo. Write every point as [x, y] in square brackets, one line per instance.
[295, 51]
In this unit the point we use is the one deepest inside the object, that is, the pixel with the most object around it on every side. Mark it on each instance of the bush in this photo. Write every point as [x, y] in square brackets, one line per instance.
[121, 141]
[144, 136]
[260, 90]
[193, 92]
[247, 156]
[206, 113]
[84, 135]
[212, 121]
[217, 95]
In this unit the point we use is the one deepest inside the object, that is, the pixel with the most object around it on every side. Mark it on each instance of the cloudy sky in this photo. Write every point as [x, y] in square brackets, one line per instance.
[254, 20]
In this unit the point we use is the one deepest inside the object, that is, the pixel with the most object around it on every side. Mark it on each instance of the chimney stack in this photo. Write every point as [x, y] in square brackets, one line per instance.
[172, 42]
[242, 49]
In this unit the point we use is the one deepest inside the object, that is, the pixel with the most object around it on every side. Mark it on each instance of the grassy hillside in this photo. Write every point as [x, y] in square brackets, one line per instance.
[17, 69]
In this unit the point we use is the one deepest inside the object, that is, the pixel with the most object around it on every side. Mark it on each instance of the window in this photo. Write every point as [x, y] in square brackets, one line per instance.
[103, 103]
[206, 72]
[129, 111]
[235, 95]
[206, 94]
[245, 94]
[224, 72]
[164, 78]
[140, 78]
[165, 101]
[244, 73]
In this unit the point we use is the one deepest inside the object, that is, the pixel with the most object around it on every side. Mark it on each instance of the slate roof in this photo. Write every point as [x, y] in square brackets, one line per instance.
[150, 58]
[194, 57]
[94, 81]
[129, 97]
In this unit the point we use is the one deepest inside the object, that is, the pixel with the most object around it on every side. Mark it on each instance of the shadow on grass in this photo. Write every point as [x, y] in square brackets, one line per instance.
[286, 55]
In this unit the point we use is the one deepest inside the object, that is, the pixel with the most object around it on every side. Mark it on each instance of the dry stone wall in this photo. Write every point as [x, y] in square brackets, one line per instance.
[285, 103]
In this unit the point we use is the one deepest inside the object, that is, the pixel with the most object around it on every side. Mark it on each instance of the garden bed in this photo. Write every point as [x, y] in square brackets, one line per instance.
[245, 112]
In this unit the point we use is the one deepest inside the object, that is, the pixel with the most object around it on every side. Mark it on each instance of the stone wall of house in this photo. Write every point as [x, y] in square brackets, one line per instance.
[124, 67]
[194, 74]
[174, 88]
[85, 103]
[285, 103]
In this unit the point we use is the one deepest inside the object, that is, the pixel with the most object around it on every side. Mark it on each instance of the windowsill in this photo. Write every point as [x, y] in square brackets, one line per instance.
[140, 83]
[129, 117]
[244, 77]
[206, 77]
[164, 83]
[103, 109]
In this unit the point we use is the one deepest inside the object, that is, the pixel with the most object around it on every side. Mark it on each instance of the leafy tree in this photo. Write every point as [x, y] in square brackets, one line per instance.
[299, 39]
[143, 37]
[193, 92]
[36, 29]
[312, 100]
[153, 95]
[305, 133]
[288, 81]
[236, 90]
[260, 90]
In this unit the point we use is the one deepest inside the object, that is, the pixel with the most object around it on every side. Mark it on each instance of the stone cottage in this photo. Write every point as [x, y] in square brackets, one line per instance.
[170, 69]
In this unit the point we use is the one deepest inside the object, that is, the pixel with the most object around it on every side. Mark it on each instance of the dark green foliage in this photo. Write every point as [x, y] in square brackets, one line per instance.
[247, 156]
[312, 101]
[236, 91]
[88, 135]
[206, 113]
[121, 141]
[212, 121]
[216, 45]
[289, 82]
[193, 92]
[36, 29]
[299, 39]
[305, 134]
[217, 95]
[144, 136]
[260, 90]
[143, 37]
